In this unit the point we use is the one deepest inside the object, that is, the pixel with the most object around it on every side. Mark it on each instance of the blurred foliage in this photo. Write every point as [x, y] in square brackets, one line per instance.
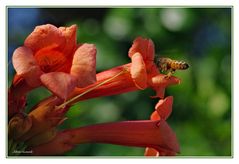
[202, 107]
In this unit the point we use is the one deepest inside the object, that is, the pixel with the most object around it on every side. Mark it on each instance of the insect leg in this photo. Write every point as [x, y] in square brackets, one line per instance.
[170, 73]
[164, 67]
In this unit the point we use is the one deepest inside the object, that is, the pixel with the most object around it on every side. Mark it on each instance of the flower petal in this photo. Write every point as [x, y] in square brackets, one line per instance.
[160, 82]
[50, 59]
[151, 152]
[164, 81]
[60, 83]
[43, 36]
[138, 71]
[155, 116]
[70, 36]
[164, 107]
[84, 65]
[144, 47]
[26, 66]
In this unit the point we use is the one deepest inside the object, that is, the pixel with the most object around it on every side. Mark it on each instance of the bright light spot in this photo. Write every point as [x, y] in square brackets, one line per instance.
[105, 112]
[173, 19]
[116, 27]
[218, 104]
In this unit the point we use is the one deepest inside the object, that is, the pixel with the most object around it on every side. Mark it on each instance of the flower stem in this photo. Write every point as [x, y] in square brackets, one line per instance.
[89, 90]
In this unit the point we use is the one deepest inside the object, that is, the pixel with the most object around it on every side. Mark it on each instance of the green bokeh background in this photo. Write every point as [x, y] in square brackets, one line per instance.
[202, 114]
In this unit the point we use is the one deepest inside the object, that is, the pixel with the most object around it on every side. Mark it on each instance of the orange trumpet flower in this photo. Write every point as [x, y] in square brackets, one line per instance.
[162, 111]
[137, 75]
[143, 133]
[51, 57]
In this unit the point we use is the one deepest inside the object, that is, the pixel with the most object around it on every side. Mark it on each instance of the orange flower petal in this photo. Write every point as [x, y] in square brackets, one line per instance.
[26, 66]
[43, 36]
[70, 36]
[151, 152]
[144, 47]
[164, 107]
[160, 82]
[60, 83]
[138, 71]
[50, 59]
[84, 65]
[155, 116]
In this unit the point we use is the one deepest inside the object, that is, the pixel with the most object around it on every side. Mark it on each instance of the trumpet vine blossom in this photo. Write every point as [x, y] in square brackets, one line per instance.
[51, 57]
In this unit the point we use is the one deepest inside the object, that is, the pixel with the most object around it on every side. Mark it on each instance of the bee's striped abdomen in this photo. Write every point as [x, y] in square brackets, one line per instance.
[169, 65]
[177, 65]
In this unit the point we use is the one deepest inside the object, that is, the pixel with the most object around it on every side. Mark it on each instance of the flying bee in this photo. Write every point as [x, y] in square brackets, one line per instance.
[169, 65]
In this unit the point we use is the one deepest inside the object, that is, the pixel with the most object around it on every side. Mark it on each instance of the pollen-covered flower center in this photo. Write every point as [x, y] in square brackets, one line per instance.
[52, 60]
